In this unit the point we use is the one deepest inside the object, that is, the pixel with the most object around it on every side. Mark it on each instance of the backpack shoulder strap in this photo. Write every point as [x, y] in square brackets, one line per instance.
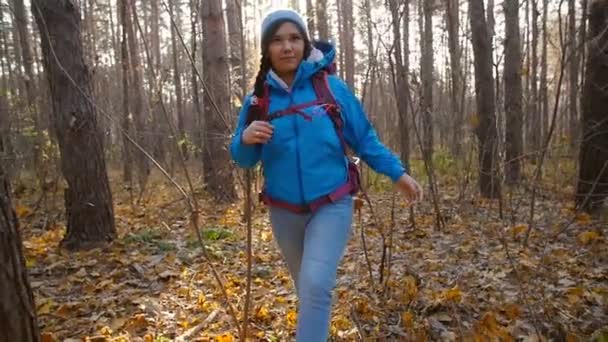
[321, 85]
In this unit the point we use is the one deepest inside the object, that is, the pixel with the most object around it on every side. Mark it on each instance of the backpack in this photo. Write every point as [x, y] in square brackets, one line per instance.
[324, 97]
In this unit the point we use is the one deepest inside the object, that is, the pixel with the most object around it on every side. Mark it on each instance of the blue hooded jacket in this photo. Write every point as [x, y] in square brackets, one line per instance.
[304, 160]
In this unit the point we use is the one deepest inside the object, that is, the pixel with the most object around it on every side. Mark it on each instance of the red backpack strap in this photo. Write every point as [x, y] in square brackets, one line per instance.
[320, 83]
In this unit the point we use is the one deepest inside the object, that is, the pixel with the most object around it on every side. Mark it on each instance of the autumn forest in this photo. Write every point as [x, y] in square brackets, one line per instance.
[124, 218]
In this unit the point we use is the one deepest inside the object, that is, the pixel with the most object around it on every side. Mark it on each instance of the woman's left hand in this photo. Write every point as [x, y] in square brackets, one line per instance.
[410, 188]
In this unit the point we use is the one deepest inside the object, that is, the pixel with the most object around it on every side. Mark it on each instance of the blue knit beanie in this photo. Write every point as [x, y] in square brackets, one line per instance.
[282, 15]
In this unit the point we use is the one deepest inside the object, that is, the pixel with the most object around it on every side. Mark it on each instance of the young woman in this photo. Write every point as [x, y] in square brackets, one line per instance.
[298, 122]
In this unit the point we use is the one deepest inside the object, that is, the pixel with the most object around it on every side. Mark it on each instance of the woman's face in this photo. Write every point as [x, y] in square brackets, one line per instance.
[286, 49]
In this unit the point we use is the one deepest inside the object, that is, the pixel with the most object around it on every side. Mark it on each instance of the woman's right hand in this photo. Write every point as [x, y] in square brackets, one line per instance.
[258, 132]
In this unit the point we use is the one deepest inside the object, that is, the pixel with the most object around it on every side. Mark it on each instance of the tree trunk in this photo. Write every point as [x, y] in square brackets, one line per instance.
[592, 187]
[426, 74]
[127, 149]
[310, 13]
[139, 114]
[484, 92]
[342, 39]
[88, 200]
[21, 21]
[322, 24]
[535, 139]
[513, 93]
[218, 170]
[582, 37]
[457, 91]
[573, 72]
[543, 93]
[235, 33]
[198, 113]
[349, 44]
[158, 118]
[4, 65]
[18, 320]
[400, 82]
[177, 79]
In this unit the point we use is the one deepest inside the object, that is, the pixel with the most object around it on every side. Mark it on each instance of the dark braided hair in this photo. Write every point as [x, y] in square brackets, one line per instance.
[255, 110]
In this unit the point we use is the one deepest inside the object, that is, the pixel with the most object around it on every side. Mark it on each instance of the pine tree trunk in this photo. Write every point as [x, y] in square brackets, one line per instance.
[543, 91]
[322, 24]
[573, 72]
[127, 149]
[177, 80]
[513, 93]
[234, 36]
[426, 74]
[400, 81]
[139, 108]
[535, 139]
[349, 44]
[484, 92]
[88, 200]
[592, 187]
[218, 170]
[159, 125]
[196, 102]
[310, 13]
[18, 320]
[457, 91]
[342, 38]
[21, 21]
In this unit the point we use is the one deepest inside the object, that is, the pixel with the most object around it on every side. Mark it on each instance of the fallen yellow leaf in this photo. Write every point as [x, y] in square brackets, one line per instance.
[45, 307]
[408, 319]
[292, 318]
[583, 219]
[512, 311]
[224, 338]
[263, 314]
[22, 211]
[452, 295]
[586, 237]
[47, 337]
[518, 229]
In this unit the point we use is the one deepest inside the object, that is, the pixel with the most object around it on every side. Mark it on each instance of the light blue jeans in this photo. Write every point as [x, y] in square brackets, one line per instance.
[312, 245]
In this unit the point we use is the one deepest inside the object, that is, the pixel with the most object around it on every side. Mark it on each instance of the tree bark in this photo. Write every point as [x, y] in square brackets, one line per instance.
[513, 93]
[88, 200]
[349, 44]
[573, 72]
[218, 170]
[534, 114]
[543, 91]
[457, 91]
[21, 21]
[159, 122]
[196, 102]
[322, 24]
[139, 112]
[18, 320]
[592, 187]
[400, 82]
[426, 74]
[235, 33]
[484, 93]
[127, 149]
[177, 80]
[310, 13]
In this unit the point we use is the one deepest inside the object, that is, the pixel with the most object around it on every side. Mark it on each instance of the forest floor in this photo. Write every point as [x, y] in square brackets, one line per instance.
[471, 280]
